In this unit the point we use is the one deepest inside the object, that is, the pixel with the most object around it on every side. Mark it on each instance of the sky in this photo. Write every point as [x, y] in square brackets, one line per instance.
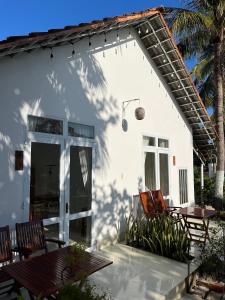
[19, 17]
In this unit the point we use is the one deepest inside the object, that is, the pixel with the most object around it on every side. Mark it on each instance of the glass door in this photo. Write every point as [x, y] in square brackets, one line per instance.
[79, 176]
[45, 188]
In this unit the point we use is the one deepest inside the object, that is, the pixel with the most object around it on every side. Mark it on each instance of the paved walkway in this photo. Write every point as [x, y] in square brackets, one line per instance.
[139, 275]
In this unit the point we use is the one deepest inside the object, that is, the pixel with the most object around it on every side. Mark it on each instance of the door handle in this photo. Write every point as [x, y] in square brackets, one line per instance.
[67, 207]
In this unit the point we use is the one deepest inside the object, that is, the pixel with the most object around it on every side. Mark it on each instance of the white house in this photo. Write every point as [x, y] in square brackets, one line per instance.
[71, 150]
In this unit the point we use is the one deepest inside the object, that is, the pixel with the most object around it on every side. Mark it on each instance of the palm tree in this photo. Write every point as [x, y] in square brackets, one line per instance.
[200, 31]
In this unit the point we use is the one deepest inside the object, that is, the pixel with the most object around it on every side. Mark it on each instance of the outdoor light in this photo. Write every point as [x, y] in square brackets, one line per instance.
[139, 111]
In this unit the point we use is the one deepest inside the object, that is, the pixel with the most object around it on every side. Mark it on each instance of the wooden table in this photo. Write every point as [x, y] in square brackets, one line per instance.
[45, 274]
[196, 222]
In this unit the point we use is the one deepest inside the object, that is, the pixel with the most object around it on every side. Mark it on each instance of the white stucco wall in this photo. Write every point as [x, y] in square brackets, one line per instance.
[89, 88]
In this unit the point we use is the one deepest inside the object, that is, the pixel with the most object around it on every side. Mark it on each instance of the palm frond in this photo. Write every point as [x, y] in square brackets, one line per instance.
[203, 69]
[191, 22]
[192, 45]
[206, 90]
[198, 5]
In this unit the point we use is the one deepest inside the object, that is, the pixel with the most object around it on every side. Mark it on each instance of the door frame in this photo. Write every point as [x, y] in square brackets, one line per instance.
[65, 143]
[52, 139]
[79, 142]
[156, 150]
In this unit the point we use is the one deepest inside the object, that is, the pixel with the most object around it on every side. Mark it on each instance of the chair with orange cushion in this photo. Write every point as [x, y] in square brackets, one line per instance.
[161, 206]
[148, 204]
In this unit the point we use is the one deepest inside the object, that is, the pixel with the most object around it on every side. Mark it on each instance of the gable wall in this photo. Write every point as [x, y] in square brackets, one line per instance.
[89, 88]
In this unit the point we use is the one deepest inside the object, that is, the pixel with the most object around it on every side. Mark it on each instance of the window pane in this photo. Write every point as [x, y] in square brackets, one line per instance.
[44, 181]
[148, 141]
[52, 231]
[183, 186]
[80, 231]
[45, 125]
[80, 178]
[80, 130]
[164, 173]
[150, 178]
[163, 143]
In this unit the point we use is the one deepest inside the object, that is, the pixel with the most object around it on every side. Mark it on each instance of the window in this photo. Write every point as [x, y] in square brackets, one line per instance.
[80, 130]
[45, 125]
[148, 141]
[156, 164]
[162, 143]
[183, 186]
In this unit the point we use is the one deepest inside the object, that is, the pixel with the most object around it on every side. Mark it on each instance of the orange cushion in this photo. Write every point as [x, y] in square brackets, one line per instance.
[159, 200]
[147, 202]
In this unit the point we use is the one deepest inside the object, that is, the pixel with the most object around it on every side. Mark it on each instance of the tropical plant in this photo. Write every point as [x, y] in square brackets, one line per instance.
[87, 292]
[207, 194]
[200, 31]
[159, 235]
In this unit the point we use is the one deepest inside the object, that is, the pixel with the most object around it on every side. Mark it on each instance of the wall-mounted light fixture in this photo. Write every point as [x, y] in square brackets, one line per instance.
[139, 111]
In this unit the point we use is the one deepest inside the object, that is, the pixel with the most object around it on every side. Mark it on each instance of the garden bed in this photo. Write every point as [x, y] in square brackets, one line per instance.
[159, 235]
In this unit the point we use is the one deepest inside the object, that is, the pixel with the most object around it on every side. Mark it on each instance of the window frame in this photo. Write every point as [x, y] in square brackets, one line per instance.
[157, 150]
[180, 169]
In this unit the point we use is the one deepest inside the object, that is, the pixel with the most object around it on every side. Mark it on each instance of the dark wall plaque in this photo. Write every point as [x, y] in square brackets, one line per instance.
[18, 160]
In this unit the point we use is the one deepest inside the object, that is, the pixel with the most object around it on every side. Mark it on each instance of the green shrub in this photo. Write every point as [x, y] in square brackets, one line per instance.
[159, 235]
[212, 256]
[208, 193]
[87, 292]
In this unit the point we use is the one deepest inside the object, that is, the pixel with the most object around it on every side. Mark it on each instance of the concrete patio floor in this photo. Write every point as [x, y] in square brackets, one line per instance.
[139, 275]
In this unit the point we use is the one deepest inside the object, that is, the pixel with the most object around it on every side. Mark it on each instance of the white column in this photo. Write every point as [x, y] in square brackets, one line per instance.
[211, 170]
[202, 183]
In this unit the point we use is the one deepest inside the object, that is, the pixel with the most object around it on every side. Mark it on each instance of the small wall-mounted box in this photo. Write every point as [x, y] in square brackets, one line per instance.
[18, 160]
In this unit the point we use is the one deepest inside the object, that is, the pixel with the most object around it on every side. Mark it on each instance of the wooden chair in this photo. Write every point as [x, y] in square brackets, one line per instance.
[30, 238]
[6, 256]
[161, 207]
[160, 202]
[148, 204]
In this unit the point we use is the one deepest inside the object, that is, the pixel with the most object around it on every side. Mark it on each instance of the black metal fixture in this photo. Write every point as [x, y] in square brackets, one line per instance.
[73, 51]
[51, 54]
[89, 41]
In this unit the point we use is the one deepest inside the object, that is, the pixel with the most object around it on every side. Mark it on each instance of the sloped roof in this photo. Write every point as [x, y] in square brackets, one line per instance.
[157, 39]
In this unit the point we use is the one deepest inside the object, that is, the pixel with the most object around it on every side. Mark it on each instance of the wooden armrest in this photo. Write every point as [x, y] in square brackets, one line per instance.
[15, 249]
[26, 252]
[59, 242]
[174, 207]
